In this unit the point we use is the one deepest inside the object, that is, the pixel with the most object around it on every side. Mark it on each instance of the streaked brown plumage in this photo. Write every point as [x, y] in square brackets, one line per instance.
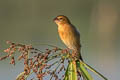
[68, 34]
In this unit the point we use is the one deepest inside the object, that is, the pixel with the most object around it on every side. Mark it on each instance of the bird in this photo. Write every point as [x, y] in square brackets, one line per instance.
[69, 35]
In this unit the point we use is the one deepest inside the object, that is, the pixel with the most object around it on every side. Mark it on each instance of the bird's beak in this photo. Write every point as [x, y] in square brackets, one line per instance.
[55, 19]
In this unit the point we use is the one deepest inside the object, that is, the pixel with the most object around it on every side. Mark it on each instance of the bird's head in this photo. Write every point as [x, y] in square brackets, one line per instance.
[61, 19]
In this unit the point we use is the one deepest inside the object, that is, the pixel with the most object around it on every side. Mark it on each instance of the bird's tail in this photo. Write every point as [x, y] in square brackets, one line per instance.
[79, 55]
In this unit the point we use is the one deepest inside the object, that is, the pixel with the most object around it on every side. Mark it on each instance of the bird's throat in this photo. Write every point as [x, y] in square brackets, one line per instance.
[63, 27]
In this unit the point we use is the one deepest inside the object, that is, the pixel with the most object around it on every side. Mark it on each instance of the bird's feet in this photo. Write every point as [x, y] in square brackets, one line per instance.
[66, 50]
[75, 55]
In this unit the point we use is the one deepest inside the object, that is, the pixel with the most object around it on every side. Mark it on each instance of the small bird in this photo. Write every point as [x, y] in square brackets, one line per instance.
[69, 34]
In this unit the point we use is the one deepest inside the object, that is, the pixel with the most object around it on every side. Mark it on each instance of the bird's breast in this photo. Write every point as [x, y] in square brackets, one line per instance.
[68, 36]
[64, 32]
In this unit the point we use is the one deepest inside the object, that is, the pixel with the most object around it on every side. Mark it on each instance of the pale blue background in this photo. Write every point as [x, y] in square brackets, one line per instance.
[31, 21]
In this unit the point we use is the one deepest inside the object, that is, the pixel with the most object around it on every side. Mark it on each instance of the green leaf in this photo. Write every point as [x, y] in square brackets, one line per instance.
[71, 72]
[20, 76]
[93, 70]
[85, 74]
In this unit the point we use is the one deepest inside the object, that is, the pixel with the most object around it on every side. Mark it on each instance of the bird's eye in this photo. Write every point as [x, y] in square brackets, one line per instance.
[60, 19]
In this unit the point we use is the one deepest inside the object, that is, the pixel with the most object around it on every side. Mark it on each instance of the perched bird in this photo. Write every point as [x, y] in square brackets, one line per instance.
[69, 34]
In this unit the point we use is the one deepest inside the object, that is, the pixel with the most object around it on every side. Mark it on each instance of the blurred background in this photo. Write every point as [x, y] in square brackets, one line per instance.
[31, 22]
